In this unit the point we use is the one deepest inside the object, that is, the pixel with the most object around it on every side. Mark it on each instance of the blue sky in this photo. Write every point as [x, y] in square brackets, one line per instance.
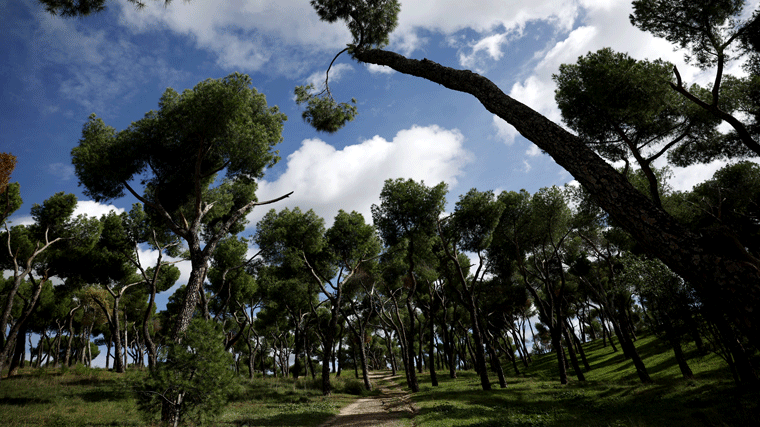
[55, 72]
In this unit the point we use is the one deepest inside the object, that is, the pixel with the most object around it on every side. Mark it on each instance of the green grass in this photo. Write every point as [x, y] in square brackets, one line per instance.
[612, 394]
[95, 397]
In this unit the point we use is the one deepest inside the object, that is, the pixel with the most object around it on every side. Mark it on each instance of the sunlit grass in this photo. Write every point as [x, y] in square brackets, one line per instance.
[79, 397]
[611, 396]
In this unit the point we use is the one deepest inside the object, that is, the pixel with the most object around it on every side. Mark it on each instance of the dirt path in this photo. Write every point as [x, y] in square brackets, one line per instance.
[389, 409]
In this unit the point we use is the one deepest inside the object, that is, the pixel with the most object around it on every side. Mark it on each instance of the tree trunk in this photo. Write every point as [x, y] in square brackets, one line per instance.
[431, 351]
[19, 351]
[557, 347]
[414, 386]
[573, 357]
[496, 365]
[363, 359]
[675, 342]
[29, 307]
[150, 346]
[630, 349]
[194, 285]
[327, 348]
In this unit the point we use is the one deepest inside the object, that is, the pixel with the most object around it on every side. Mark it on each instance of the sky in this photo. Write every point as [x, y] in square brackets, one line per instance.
[55, 72]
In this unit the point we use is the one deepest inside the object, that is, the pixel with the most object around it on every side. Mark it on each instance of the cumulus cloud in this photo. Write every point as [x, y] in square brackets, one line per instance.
[270, 36]
[94, 209]
[317, 79]
[533, 150]
[380, 69]
[504, 130]
[327, 179]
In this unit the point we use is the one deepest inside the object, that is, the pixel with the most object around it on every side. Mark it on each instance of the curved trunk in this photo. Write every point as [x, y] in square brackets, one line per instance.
[732, 281]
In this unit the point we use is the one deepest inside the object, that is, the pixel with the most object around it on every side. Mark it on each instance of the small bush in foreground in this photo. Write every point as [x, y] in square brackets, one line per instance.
[193, 379]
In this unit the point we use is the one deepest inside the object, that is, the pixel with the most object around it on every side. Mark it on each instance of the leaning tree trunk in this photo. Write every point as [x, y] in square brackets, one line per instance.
[731, 280]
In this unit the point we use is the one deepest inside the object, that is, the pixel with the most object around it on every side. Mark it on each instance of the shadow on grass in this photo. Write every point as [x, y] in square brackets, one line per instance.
[23, 401]
[104, 395]
[669, 402]
[285, 419]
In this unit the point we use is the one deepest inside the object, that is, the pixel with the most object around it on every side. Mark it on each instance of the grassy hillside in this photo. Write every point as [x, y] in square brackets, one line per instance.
[612, 394]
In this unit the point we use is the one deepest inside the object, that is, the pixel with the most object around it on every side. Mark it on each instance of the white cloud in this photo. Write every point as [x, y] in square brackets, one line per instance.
[489, 47]
[684, 179]
[504, 130]
[62, 171]
[86, 66]
[94, 209]
[20, 220]
[254, 36]
[533, 150]
[380, 69]
[326, 180]
[317, 79]
[449, 16]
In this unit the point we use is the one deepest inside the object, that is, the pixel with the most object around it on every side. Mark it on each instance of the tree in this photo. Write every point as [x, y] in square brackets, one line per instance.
[220, 125]
[7, 164]
[666, 296]
[710, 30]
[24, 247]
[711, 272]
[407, 218]
[193, 378]
[74, 8]
[625, 108]
[471, 229]
[297, 241]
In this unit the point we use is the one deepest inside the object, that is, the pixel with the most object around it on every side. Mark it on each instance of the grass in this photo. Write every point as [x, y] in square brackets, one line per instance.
[96, 397]
[612, 394]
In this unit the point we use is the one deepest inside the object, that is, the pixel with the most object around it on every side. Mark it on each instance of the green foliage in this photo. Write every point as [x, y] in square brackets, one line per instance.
[195, 378]
[476, 216]
[221, 124]
[10, 200]
[699, 25]
[625, 107]
[286, 237]
[370, 21]
[726, 209]
[54, 213]
[351, 240]
[408, 210]
[74, 8]
[322, 112]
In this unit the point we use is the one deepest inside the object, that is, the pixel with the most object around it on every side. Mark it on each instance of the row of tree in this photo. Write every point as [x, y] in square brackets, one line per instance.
[458, 287]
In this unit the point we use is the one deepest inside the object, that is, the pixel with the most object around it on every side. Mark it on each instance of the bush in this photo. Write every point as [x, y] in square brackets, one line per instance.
[192, 379]
[350, 386]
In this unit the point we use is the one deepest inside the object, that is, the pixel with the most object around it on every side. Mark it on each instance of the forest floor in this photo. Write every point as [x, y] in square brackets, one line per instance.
[393, 407]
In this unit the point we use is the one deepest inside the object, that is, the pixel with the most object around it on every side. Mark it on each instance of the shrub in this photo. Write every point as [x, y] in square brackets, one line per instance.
[192, 379]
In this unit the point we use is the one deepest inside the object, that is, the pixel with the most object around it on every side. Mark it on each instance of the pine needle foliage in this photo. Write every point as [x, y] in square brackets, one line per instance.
[194, 377]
